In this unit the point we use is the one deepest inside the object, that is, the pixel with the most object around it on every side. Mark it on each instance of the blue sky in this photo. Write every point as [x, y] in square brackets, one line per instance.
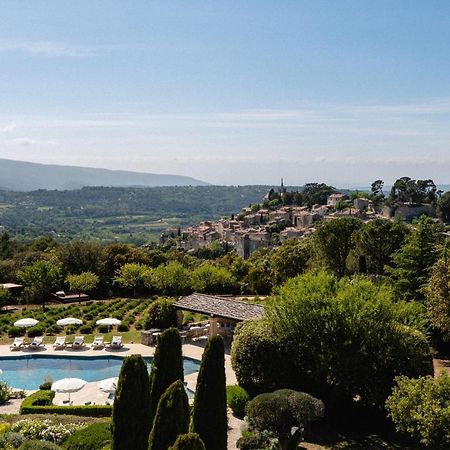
[231, 92]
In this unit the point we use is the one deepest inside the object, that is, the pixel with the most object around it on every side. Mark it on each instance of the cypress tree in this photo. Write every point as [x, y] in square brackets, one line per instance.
[190, 441]
[209, 417]
[171, 419]
[131, 415]
[167, 366]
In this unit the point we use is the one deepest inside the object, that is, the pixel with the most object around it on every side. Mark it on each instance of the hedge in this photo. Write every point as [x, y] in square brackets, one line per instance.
[41, 403]
[92, 437]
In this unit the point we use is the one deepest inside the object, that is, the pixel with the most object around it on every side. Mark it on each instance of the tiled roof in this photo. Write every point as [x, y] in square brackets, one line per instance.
[220, 306]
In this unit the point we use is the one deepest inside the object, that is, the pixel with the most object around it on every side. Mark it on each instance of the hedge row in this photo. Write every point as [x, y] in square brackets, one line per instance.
[41, 403]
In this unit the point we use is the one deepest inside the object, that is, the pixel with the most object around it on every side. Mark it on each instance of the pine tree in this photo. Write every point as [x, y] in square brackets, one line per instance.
[171, 419]
[189, 441]
[167, 366]
[209, 417]
[131, 414]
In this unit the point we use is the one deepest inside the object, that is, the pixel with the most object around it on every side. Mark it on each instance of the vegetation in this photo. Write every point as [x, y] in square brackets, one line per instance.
[421, 408]
[189, 441]
[237, 399]
[93, 437]
[171, 419]
[286, 414]
[131, 413]
[209, 416]
[160, 314]
[167, 367]
[345, 340]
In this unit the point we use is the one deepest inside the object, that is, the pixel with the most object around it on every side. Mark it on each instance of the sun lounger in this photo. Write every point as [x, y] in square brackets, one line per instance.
[116, 342]
[78, 342]
[98, 343]
[36, 343]
[17, 344]
[60, 343]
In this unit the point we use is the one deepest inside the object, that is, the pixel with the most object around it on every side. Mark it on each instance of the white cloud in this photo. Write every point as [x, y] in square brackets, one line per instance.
[7, 127]
[26, 141]
[48, 48]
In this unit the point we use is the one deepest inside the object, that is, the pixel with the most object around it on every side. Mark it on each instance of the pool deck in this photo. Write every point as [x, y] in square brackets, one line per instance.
[91, 392]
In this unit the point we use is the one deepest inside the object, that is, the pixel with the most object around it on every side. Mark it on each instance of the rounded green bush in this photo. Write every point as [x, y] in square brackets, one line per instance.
[85, 329]
[93, 437]
[123, 327]
[15, 331]
[237, 399]
[39, 445]
[35, 331]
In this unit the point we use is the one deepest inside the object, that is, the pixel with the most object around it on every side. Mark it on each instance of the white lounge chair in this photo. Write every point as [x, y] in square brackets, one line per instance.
[17, 344]
[36, 343]
[78, 342]
[60, 343]
[116, 343]
[98, 343]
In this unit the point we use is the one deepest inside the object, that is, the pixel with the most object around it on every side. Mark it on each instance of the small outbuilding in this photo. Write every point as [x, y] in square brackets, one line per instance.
[224, 312]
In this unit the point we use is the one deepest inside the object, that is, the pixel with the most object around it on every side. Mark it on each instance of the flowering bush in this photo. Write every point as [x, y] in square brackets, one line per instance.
[45, 429]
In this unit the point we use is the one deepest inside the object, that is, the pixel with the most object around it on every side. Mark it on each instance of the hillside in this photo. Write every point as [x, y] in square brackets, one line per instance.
[135, 215]
[27, 176]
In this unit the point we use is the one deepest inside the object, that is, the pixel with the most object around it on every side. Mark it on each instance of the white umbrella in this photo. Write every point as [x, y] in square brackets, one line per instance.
[69, 321]
[108, 385]
[110, 321]
[24, 323]
[68, 385]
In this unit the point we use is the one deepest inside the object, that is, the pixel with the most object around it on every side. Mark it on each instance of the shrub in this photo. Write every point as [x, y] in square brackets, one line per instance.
[171, 419]
[39, 445]
[258, 358]
[421, 408]
[5, 392]
[46, 385]
[131, 414]
[38, 398]
[4, 427]
[85, 329]
[15, 331]
[189, 441]
[92, 437]
[237, 399]
[35, 331]
[282, 411]
[123, 327]
[15, 439]
[167, 366]
[53, 329]
[103, 328]
[209, 416]
[160, 314]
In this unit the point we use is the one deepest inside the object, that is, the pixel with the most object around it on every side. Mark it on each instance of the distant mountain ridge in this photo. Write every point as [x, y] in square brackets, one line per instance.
[28, 176]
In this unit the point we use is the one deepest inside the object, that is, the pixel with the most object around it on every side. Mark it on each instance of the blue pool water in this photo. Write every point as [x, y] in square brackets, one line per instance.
[29, 371]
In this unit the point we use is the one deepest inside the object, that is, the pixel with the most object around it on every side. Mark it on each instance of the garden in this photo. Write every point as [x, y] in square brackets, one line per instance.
[135, 314]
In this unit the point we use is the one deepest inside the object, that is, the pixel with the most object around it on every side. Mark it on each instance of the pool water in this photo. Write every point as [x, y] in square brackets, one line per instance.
[29, 371]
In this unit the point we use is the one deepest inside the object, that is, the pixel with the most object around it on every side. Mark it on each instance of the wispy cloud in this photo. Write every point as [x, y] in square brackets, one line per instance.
[26, 141]
[48, 48]
[7, 127]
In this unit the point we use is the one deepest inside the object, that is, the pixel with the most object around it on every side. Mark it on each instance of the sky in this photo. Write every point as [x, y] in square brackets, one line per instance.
[230, 92]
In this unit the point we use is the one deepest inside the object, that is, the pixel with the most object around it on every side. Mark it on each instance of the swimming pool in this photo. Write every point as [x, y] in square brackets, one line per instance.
[29, 371]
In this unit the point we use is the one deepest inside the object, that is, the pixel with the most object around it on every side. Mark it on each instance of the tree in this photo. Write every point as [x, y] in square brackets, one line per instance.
[84, 282]
[376, 242]
[290, 259]
[333, 241]
[7, 246]
[131, 413]
[209, 416]
[421, 408]
[167, 366]
[413, 261]
[133, 276]
[212, 280]
[172, 279]
[4, 297]
[172, 417]
[189, 441]
[316, 193]
[41, 277]
[437, 294]
[285, 413]
[443, 209]
[160, 314]
[80, 256]
[342, 340]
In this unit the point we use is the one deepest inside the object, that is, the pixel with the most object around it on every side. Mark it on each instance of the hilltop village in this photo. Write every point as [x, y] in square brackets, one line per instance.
[284, 215]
